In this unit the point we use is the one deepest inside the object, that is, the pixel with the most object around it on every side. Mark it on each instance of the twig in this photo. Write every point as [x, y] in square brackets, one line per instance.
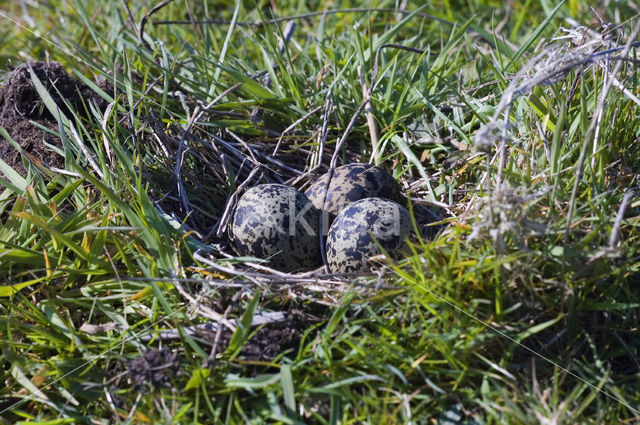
[208, 312]
[319, 282]
[236, 156]
[270, 275]
[144, 20]
[371, 120]
[259, 319]
[507, 14]
[221, 225]
[287, 34]
[244, 145]
[615, 230]
[182, 193]
[150, 87]
[318, 156]
[596, 133]
[367, 98]
[292, 126]
[84, 149]
[503, 145]
[181, 151]
[132, 21]
[207, 108]
[25, 14]
[328, 103]
[545, 142]
[270, 159]
[624, 90]
[210, 361]
[111, 403]
[135, 405]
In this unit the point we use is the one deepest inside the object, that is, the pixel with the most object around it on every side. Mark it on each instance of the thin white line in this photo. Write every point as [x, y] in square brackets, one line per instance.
[113, 79]
[499, 332]
[135, 335]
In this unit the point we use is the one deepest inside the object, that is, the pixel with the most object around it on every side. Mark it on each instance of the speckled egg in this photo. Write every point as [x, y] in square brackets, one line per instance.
[277, 223]
[350, 183]
[350, 242]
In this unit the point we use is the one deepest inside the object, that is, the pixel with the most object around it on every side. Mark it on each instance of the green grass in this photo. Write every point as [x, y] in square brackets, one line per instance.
[513, 313]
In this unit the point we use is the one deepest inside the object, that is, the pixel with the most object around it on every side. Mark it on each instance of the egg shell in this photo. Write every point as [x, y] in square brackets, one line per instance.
[277, 223]
[350, 242]
[349, 184]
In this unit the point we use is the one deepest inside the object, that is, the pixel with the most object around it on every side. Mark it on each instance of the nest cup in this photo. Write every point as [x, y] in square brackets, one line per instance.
[281, 225]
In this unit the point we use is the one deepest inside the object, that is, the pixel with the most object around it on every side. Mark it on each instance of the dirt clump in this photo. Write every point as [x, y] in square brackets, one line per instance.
[21, 106]
[273, 339]
[155, 367]
[32, 140]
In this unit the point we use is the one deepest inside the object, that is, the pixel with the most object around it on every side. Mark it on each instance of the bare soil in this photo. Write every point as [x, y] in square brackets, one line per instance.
[156, 367]
[21, 107]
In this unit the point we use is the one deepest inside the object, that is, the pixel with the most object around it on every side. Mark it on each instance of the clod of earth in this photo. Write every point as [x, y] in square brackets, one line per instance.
[155, 367]
[20, 104]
